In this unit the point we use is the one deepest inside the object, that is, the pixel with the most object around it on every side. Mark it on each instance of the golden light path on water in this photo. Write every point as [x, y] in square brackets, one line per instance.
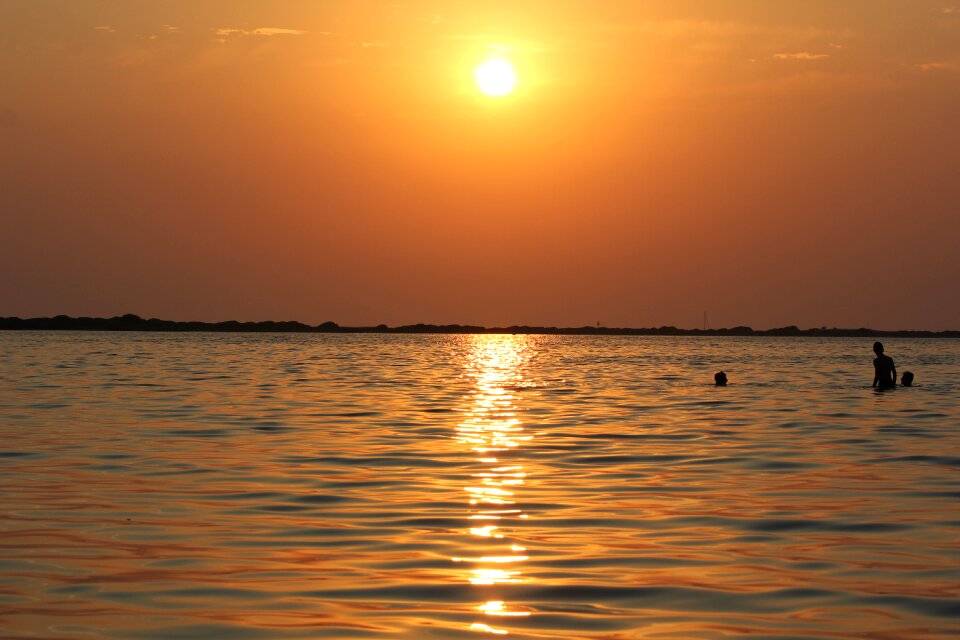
[492, 431]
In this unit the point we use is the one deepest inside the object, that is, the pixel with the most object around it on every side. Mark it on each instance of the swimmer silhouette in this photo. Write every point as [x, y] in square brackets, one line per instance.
[907, 379]
[720, 378]
[884, 371]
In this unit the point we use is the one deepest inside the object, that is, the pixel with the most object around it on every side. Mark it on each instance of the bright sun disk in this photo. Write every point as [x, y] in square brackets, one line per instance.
[496, 77]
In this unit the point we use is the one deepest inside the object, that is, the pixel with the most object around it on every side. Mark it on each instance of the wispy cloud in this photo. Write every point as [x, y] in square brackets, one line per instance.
[375, 44]
[103, 28]
[494, 45]
[273, 31]
[709, 43]
[699, 29]
[262, 31]
[801, 55]
[937, 66]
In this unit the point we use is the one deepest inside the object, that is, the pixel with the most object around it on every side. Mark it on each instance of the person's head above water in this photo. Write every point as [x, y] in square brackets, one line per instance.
[720, 378]
[907, 379]
[878, 348]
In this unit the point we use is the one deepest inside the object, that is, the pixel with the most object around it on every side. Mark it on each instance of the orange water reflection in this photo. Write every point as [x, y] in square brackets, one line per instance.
[492, 431]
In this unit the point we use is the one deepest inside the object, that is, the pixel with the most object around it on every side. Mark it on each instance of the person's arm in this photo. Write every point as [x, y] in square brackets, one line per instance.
[893, 368]
[876, 373]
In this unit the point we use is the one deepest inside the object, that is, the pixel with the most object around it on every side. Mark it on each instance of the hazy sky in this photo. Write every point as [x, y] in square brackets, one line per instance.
[771, 162]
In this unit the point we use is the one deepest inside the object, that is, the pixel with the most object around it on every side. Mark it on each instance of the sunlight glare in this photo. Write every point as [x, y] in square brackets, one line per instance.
[496, 77]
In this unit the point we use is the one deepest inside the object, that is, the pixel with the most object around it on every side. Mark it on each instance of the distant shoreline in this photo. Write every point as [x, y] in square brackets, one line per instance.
[131, 322]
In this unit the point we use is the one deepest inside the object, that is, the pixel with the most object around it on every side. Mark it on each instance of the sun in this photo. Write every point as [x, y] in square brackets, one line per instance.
[496, 77]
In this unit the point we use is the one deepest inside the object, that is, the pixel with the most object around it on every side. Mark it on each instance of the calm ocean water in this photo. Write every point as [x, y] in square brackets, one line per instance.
[197, 486]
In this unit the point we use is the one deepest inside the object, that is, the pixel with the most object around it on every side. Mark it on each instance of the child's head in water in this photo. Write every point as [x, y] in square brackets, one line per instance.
[907, 379]
[720, 378]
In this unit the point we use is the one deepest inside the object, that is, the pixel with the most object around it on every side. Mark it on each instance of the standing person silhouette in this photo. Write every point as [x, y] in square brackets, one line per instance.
[884, 371]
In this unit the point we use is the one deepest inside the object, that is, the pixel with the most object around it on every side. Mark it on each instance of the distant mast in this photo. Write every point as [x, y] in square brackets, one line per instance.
[706, 325]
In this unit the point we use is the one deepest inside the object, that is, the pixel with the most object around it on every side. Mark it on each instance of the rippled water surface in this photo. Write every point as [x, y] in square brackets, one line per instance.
[172, 486]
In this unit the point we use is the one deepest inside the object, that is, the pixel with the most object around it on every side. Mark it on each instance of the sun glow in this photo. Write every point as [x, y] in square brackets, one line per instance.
[496, 77]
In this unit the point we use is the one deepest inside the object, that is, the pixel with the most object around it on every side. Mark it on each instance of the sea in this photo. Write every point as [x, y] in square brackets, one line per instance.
[181, 486]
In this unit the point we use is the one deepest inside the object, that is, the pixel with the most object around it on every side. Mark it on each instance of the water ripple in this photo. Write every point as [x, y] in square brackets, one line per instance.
[198, 486]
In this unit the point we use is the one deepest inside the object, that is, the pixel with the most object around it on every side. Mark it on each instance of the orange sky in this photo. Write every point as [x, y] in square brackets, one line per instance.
[770, 162]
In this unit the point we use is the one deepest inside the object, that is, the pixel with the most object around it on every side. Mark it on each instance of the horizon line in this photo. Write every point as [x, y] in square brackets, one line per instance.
[133, 322]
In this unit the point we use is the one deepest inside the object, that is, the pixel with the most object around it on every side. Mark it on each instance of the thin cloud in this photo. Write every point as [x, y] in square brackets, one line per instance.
[708, 42]
[105, 29]
[699, 29]
[937, 66]
[493, 45]
[801, 55]
[272, 31]
[261, 31]
[376, 44]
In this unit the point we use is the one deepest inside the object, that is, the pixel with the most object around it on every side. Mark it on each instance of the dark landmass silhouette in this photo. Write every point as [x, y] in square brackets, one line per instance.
[131, 322]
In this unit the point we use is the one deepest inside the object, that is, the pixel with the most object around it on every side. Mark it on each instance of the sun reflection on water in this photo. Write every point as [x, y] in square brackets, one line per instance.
[493, 432]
